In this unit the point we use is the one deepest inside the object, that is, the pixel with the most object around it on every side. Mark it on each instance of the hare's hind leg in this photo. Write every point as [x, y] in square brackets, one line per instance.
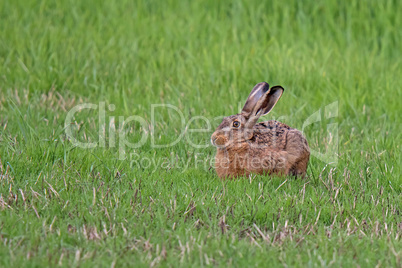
[299, 168]
[299, 154]
[274, 163]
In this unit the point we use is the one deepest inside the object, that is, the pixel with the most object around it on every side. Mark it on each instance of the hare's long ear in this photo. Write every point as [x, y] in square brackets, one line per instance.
[264, 105]
[258, 91]
[268, 101]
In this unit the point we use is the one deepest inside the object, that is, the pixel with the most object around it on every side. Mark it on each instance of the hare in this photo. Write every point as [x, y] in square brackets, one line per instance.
[245, 147]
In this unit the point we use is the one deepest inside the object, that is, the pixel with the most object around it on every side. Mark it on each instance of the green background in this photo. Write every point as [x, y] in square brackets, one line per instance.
[65, 205]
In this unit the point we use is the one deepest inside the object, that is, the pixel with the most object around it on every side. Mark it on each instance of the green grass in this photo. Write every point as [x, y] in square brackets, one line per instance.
[61, 204]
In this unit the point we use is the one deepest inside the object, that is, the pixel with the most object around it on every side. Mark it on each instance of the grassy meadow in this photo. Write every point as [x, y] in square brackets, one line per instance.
[113, 205]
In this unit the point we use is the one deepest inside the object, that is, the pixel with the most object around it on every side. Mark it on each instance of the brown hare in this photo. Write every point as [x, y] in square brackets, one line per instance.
[245, 147]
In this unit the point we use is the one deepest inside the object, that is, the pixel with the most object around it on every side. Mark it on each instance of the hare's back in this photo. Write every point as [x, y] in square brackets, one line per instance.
[272, 133]
[273, 124]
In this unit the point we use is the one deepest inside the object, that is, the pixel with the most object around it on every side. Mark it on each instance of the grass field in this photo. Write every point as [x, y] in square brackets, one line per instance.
[113, 205]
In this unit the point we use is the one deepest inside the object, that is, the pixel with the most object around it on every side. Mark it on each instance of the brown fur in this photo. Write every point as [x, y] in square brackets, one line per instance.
[268, 147]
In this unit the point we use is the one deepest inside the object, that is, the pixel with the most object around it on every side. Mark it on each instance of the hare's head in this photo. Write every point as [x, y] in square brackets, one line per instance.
[238, 128]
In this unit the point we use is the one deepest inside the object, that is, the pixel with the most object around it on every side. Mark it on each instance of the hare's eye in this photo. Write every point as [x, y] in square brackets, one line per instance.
[236, 124]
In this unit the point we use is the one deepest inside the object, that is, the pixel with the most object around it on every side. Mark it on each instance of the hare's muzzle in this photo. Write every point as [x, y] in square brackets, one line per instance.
[218, 139]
